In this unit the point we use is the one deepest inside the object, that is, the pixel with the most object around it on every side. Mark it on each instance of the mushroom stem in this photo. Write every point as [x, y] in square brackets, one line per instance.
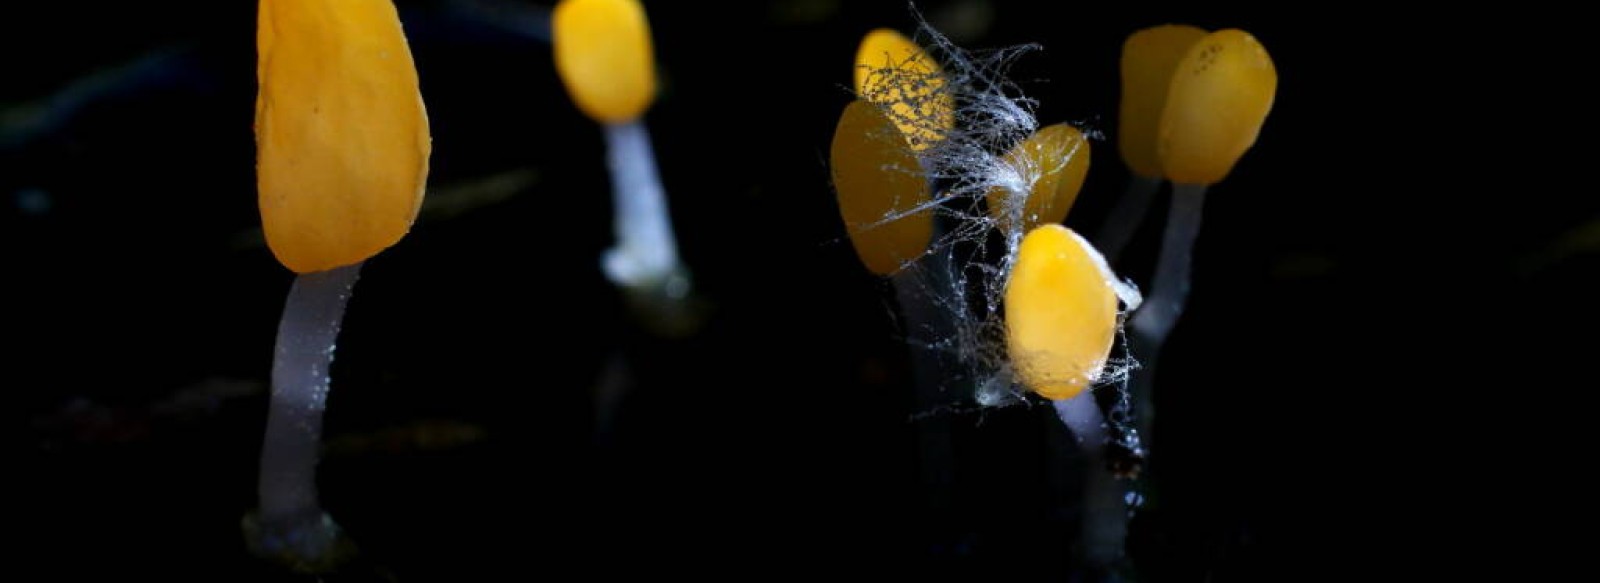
[291, 518]
[925, 325]
[1105, 511]
[645, 251]
[644, 261]
[1169, 290]
[1126, 217]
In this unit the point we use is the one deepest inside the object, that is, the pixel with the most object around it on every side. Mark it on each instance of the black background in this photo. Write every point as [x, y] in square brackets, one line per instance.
[1346, 266]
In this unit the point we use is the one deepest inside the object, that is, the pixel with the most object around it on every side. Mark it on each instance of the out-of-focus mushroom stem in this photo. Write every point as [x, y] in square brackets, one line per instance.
[1169, 291]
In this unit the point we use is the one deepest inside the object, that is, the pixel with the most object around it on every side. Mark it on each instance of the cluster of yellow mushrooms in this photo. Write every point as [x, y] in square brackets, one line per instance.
[343, 146]
[1193, 103]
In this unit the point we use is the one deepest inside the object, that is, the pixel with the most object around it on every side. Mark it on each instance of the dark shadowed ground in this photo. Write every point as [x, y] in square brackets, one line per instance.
[464, 439]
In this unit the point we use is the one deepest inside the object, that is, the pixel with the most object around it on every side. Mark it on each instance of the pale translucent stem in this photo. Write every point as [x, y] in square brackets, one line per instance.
[646, 253]
[1126, 216]
[1169, 291]
[925, 325]
[290, 514]
[1105, 510]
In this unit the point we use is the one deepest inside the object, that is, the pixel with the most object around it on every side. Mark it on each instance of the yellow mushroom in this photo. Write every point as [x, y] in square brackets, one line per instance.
[1061, 313]
[894, 72]
[1149, 58]
[1053, 163]
[883, 195]
[605, 58]
[342, 151]
[342, 139]
[1220, 95]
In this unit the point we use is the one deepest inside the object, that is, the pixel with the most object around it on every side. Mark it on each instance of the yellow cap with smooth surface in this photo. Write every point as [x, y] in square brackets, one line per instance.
[1220, 96]
[883, 195]
[605, 57]
[342, 139]
[1061, 313]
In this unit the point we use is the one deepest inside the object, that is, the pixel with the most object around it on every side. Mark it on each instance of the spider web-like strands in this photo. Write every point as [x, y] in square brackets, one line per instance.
[963, 121]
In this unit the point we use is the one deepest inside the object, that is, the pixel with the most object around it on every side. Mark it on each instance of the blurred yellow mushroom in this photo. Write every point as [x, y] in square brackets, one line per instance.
[342, 138]
[1220, 95]
[894, 72]
[1052, 164]
[1061, 313]
[1218, 98]
[903, 108]
[1149, 59]
[605, 58]
[882, 192]
[604, 55]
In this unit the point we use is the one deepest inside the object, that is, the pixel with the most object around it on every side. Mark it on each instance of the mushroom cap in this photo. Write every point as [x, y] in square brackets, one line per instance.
[894, 72]
[1220, 96]
[1052, 164]
[1060, 312]
[605, 58]
[342, 139]
[1149, 58]
[883, 195]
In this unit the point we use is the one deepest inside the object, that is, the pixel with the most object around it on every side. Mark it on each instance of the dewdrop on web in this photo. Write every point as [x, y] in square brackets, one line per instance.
[955, 159]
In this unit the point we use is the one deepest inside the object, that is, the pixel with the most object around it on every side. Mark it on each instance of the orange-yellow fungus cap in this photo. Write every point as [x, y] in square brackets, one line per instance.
[877, 178]
[1053, 161]
[1220, 96]
[605, 57]
[893, 71]
[1149, 58]
[341, 133]
[1061, 313]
